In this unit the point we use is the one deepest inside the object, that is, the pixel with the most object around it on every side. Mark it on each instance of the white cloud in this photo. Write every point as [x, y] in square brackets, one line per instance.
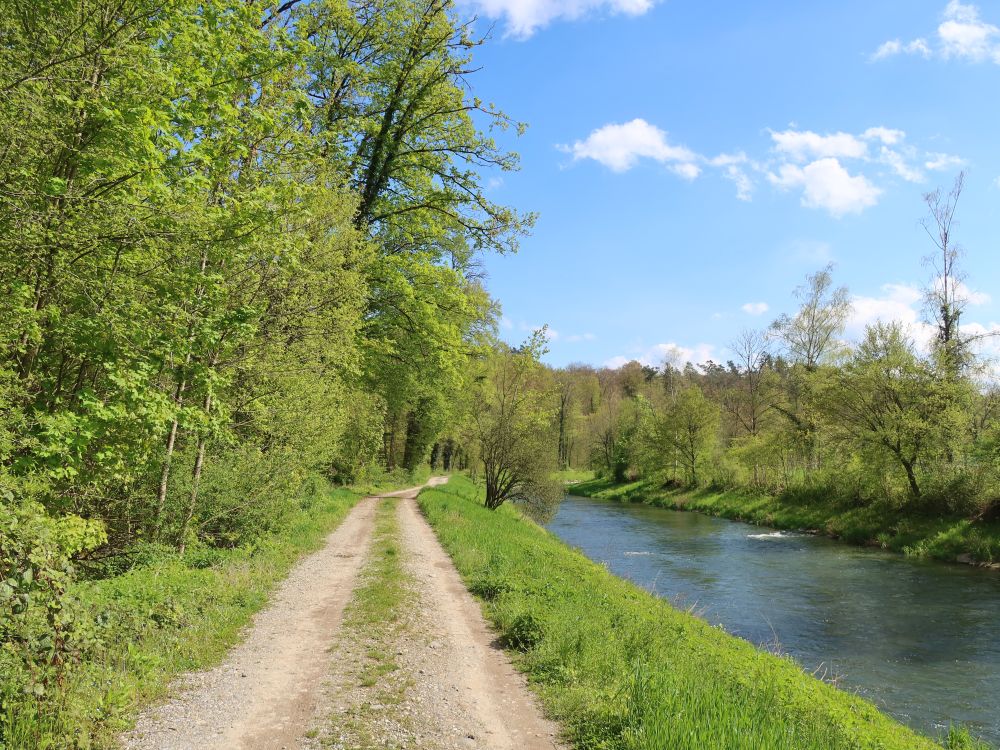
[940, 162]
[962, 34]
[902, 303]
[899, 165]
[803, 145]
[578, 337]
[755, 308]
[888, 136]
[524, 17]
[744, 185]
[620, 147]
[671, 352]
[832, 170]
[828, 185]
[896, 47]
[899, 303]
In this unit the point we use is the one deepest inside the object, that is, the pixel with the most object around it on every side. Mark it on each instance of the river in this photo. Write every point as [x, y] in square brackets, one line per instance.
[920, 639]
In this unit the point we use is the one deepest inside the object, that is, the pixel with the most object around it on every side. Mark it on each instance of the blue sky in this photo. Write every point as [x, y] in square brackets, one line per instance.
[692, 161]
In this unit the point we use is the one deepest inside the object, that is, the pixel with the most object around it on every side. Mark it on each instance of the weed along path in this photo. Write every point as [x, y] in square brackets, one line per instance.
[371, 642]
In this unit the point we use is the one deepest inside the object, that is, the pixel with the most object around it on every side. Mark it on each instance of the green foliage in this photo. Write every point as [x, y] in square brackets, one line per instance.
[510, 425]
[43, 629]
[621, 668]
[237, 260]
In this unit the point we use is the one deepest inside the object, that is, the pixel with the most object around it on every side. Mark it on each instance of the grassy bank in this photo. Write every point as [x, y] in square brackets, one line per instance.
[622, 669]
[948, 539]
[165, 616]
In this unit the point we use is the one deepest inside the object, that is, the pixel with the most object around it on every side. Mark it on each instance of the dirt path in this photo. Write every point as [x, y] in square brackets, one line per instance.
[442, 683]
[301, 680]
[264, 693]
[466, 680]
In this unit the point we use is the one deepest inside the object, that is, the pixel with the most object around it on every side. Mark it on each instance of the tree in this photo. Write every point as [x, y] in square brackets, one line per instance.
[812, 334]
[688, 430]
[888, 403]
[511, 424]
[945, 298]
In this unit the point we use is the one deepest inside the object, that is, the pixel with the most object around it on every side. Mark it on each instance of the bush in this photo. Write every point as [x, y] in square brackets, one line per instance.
[523, 633]
[43, 629]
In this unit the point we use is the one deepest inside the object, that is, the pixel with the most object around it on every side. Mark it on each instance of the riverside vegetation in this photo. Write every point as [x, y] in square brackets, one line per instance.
[887, 442]
[621, 668]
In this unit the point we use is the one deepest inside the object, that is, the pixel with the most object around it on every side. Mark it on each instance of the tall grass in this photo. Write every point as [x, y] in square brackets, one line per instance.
[622, 669]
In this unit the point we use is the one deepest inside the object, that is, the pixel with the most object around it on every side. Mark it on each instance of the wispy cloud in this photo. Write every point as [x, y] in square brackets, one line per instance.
[962, 34]
[755, 308]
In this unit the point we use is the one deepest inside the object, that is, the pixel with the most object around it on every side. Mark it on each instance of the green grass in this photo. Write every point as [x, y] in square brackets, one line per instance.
[158, 620]
[622, 669]
[377, 607]
[878, 524]
[572, 476]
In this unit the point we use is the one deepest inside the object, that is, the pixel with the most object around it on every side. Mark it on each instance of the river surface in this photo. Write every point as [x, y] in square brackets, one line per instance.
[920, 639]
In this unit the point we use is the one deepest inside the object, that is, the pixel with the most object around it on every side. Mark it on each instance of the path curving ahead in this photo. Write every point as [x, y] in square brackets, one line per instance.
[275, 686]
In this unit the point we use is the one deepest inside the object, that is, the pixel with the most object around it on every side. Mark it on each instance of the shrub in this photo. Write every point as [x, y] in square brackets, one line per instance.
[523, 633]
[43, 629]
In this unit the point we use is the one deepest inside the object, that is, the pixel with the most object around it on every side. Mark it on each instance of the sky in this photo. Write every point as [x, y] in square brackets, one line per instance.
[691, 161]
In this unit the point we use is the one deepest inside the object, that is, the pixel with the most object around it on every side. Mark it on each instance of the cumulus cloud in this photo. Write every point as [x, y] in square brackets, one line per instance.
[962, 34]
[803, 145]
[523, 18]
[620, 147]
[672, 352]
[833, 171]
[903, 304]
[755, 308]
[898, 303]
[826, 184]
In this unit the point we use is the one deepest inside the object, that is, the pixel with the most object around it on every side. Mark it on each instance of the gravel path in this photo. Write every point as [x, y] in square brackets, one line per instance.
[263, 694]
[450, 686]
[469, 691]
[294, 681]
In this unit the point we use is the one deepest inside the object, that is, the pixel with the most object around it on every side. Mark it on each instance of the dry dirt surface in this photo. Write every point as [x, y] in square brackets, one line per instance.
[294, 680]
[263, 693]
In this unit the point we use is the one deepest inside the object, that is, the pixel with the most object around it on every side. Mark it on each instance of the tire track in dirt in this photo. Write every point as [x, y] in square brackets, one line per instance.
[264, 694]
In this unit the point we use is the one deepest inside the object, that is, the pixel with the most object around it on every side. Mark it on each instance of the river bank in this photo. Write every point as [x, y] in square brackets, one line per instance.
[948, 539]
[621, 668]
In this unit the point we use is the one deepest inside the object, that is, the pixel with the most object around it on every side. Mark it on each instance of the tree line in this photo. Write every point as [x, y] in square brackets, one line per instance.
[885, 419]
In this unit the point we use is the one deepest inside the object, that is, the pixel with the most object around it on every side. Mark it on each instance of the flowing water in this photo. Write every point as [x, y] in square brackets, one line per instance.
[920, 639]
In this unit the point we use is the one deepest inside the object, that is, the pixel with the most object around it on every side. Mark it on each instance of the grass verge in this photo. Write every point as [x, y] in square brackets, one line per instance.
[951, 539]
[622, 669]
[162, 618]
